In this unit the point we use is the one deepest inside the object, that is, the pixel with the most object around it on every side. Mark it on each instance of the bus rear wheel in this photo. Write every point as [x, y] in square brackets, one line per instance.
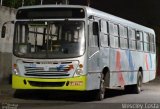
[137, 87]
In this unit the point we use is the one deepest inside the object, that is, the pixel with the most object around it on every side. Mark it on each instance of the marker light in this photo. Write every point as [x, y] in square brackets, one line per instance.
[80, 65]
[15, 69]
[14, 66]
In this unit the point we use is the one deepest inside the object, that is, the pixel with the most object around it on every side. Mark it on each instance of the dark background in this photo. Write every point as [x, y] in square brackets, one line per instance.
[145, 12]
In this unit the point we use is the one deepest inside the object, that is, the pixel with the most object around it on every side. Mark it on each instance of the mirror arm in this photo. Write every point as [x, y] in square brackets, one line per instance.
[12, 22]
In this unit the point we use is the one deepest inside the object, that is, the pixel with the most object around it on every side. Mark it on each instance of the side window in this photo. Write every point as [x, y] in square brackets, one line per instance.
[139, 38]
[123, 37]
[132, 40]
[152, 43]
[146, 42]
[93, 39]
[114, 37]
[104, 27]
[104, 33]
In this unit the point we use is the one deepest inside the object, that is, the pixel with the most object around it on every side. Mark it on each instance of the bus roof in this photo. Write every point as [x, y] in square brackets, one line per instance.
[118, 20]
[90, 11]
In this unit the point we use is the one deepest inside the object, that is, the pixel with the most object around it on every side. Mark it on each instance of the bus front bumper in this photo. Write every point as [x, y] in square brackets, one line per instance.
[75, 83]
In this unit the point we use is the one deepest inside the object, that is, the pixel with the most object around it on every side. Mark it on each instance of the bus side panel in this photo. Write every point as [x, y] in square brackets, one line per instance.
[104, 58]
[93, 76]
[133, 65]
[124, 66]
[104, 62]
[93, 81]
[139, 62]
[96, 65]
[146, 69]
[153, 66]
[147, 62]
[150, 65]
[120, 68]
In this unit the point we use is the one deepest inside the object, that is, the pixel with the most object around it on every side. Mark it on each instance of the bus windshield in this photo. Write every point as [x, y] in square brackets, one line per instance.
[49, 39]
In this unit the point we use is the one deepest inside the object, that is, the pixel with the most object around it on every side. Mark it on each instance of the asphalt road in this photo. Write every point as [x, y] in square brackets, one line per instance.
[149, 98]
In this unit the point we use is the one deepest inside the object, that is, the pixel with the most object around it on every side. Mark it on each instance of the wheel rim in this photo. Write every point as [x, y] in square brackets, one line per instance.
[139, 83]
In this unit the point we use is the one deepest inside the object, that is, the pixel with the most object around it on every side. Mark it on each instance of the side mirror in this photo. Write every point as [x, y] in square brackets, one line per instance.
[3, 32]
[95, 28]
[137, 35]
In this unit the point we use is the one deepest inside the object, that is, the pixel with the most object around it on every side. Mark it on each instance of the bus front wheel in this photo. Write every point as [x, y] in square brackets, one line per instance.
[100, 93]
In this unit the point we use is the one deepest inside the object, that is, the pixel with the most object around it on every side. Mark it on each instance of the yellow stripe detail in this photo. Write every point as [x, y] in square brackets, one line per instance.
[80, 83]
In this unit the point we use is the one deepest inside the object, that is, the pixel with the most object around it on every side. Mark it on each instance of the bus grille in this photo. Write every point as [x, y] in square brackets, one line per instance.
[46, 84]
[41, 71]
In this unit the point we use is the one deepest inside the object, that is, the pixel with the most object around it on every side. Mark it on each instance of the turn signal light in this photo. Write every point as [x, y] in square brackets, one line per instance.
[80, 65]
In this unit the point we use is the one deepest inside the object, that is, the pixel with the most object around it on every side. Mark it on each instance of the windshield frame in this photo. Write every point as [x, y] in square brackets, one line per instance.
[50, 20]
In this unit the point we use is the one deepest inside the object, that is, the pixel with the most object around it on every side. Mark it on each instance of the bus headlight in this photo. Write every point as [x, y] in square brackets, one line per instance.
[79, 72]
[15, 69]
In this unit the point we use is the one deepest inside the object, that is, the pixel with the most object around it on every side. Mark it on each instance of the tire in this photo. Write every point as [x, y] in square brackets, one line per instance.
[100, 93]
[138, 86]
[136, 89]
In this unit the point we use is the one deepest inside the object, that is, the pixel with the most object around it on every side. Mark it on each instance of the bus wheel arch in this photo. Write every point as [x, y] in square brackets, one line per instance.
[106, 73]
[141, 71]
[104, 82]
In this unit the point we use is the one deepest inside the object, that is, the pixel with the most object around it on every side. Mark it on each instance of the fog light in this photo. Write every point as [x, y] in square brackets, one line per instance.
[15, 71]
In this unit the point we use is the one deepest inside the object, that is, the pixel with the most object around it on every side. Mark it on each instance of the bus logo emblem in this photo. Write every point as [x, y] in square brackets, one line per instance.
[46, 68]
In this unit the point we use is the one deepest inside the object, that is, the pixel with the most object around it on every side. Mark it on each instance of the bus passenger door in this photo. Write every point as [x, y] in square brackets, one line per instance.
[93, 49]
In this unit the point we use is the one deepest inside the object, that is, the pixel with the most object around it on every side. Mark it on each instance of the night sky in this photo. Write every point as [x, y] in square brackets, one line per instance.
[145, 12]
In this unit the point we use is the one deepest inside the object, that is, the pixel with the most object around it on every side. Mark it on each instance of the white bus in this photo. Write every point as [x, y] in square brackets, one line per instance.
[66, 47]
